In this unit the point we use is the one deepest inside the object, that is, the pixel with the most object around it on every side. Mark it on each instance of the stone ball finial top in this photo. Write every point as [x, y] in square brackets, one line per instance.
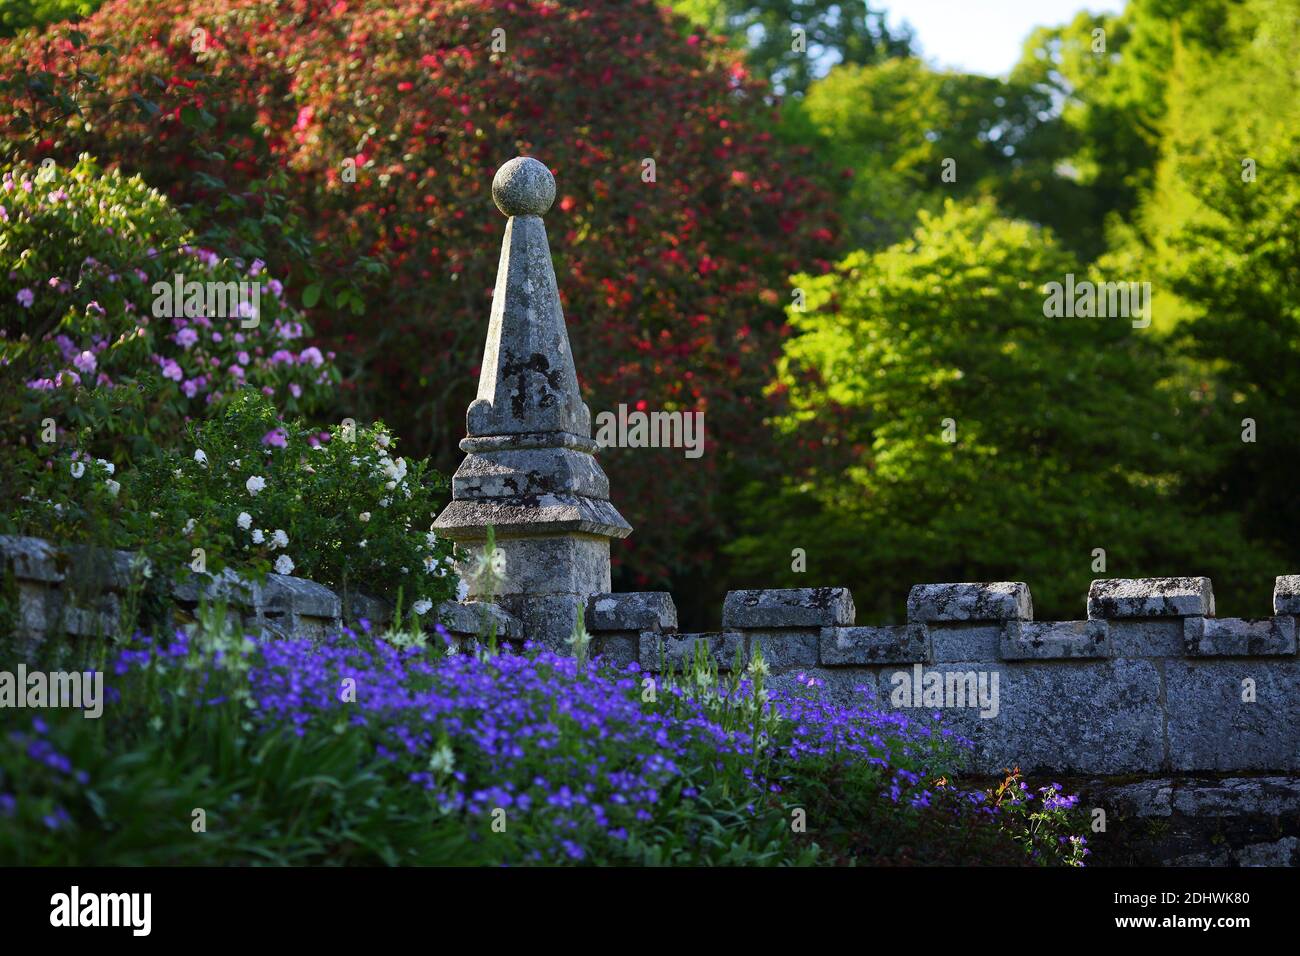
[523, 187]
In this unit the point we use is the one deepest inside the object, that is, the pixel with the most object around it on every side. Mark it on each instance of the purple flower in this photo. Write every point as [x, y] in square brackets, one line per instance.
[26, 297]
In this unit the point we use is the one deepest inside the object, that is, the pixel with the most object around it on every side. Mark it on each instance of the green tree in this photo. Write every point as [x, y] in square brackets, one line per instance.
[1222, 234]
[910, 137]
[17, 15]
[833, 31]
[959, 434]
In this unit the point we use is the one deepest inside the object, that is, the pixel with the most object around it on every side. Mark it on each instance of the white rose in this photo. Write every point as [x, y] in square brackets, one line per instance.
[422, 606]
[364, 516]
[78, 469]
[108, 465]
[284, 564]
[462, 591]
[279, 539]
[258, 536]
[200, 456]
[113, 486]
[245, 520]
[255, 484]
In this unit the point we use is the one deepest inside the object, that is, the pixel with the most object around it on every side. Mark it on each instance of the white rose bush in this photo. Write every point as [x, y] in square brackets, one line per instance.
[268, 495]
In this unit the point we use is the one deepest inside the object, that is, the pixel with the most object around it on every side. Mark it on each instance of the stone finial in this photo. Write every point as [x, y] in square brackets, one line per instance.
[523, 187]
[530, 471]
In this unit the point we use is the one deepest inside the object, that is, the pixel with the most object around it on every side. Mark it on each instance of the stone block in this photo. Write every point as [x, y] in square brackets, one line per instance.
[563, 564]
[359, 606]
[1086, 716]
[632, 611]
[1286, 594]
[284, 594]
[546, 619]
[679, 649]
[964, 641]
[1053, 640]
[226, 586]
[30, 559]
[1234, 637]
[617, 648]
[784, 648]
[1210, 727]
[1149, 637]
[865, 646]
[1150, 597]
[992, 601]
[472, 618]
[788, 607]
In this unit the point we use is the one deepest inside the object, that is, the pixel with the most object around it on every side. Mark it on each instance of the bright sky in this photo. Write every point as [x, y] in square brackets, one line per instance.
[983, 36]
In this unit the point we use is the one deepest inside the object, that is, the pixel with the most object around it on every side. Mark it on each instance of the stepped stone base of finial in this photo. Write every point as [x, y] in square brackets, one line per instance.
[546, 579]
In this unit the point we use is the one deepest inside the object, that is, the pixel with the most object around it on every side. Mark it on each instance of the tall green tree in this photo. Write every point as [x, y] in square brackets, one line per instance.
[792, 42]
[1222, 234]
[952, 431]
[908, 137]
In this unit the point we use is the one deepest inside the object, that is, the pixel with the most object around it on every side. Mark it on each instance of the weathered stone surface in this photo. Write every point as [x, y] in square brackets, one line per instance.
[369, 608]
[1143, 798]
[93, 569]
[30, 559]
[474, 617]
[1210, 727]
[226, 586]
[991, 601]
[632, 611]
[1053, 640]
[1150, 597]
[1238, 796]
[619, 648]
[1234, 637]
[1277, 853]
[788, 607]
[903, 644]
[856, 686]
[561, 564]
[1149, 637]
[784, 648]
[1084, 716]
[523, 187]
[964, 641]
[1286, 594]
[292, 595]
[467, 521]
[516, 472]
[548, 619]
[99, 616]
[679, 649]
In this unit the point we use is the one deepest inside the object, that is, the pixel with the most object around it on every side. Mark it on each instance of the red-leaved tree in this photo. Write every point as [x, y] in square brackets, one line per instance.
[390, 118]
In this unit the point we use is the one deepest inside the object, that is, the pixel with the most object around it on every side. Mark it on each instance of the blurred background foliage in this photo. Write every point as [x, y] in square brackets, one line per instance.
[777, 171]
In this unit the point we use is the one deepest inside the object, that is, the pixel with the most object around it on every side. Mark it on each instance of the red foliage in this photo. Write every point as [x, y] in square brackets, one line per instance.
[673, 290]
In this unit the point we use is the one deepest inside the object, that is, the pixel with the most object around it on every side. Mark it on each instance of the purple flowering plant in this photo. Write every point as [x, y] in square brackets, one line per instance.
[366, 748]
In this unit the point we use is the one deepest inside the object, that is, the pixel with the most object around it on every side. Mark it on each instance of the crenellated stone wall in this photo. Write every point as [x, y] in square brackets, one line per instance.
[82, 592]
[1149, 682]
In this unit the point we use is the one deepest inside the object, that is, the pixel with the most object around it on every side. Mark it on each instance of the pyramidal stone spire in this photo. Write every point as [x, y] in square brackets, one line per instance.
[530, 470]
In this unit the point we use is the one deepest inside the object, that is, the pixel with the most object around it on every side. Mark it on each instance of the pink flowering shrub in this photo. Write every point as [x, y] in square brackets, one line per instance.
[87, 309]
